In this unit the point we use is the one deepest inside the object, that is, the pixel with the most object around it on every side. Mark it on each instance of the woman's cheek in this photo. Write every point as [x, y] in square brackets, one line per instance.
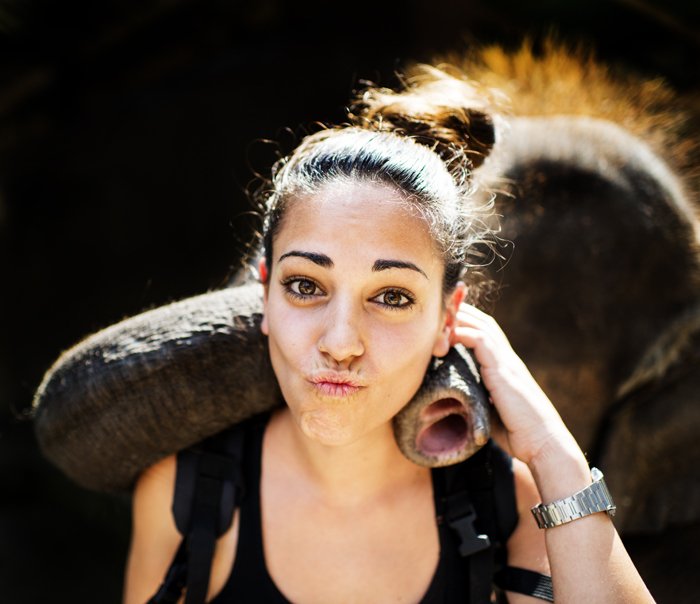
[291, 336]
[404, 352]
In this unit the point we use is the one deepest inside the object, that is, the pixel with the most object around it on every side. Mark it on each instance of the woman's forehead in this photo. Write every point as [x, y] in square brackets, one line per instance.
[357, 218]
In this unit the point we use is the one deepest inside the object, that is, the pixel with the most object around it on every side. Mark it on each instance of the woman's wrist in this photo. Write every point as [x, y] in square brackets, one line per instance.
[560, 468]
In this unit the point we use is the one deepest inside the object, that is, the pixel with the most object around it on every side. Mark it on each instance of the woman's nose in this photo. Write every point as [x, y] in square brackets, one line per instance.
[341, 337]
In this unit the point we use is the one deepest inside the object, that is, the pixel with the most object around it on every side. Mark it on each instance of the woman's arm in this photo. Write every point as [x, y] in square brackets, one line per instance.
[154, 537]
[587, 559]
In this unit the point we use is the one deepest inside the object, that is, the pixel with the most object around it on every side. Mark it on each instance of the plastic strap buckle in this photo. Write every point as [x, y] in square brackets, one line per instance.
[461, 517]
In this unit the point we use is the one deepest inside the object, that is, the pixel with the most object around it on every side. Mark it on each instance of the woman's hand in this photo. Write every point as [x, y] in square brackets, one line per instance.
[532, 426]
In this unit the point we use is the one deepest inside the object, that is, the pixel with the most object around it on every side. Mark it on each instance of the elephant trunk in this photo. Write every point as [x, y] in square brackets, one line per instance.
[447, 420]
[160, 381]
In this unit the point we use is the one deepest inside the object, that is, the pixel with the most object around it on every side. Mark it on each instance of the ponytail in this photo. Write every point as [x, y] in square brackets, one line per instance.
[449, 114]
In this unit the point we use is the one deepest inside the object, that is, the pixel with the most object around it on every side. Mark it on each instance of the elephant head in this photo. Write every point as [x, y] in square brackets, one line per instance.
[600, 296]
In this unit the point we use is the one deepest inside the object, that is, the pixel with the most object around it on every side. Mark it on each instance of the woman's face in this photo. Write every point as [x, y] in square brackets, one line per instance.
[354, 309]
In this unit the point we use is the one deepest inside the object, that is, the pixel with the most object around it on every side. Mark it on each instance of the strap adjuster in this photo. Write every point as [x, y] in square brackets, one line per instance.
[470, 542]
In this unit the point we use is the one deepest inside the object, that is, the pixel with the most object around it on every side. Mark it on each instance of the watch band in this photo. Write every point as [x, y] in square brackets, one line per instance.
[594, 498]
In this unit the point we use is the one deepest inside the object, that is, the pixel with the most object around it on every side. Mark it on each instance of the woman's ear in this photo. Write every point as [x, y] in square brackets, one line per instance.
[444, 338]
[262, 272]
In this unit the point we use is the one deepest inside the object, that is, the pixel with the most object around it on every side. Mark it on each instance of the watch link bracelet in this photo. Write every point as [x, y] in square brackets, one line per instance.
[594, 498]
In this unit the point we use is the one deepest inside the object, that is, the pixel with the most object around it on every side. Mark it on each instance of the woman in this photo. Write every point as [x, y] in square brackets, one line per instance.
[367, 232]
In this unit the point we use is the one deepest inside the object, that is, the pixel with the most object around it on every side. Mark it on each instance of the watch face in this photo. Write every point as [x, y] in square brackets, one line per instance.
[596, 474]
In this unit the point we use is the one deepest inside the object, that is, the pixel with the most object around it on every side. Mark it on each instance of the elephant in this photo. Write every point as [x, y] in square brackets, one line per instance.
[598, 291]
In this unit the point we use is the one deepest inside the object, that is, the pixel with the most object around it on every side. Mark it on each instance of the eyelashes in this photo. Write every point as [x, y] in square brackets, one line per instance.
[395, 298]
[306, 289]
[301, 288]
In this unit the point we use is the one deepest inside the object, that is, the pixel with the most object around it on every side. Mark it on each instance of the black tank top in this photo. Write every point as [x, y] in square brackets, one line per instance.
[249, 581]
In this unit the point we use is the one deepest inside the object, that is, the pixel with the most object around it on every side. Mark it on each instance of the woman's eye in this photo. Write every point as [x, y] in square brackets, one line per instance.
[302, 287]
[394, 298]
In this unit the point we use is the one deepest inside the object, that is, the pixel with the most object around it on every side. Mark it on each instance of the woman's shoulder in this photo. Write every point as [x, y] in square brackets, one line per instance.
[158, 476]
[153, 493]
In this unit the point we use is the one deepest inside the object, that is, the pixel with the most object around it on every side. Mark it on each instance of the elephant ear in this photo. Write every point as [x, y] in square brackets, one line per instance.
[651, 449]
[153, 384]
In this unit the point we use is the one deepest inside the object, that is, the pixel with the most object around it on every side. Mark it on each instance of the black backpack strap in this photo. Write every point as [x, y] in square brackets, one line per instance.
[208, 488]
[170, 591]
[502, 501]
[522, 581]
[479, 506]
[510, 578]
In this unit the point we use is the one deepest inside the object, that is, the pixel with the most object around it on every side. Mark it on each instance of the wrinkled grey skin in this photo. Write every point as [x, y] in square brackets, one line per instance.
[447, 420]
[600, 296]
[144, 388]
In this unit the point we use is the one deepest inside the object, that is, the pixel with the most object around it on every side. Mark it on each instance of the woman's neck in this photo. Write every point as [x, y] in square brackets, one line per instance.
[370, 467]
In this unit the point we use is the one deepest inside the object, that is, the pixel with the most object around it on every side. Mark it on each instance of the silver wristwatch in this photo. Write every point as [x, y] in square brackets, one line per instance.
[592, 499]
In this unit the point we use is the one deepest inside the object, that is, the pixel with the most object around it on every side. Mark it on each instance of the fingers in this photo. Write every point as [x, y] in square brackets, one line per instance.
[484, 347]
[470, 316]
[477, 330]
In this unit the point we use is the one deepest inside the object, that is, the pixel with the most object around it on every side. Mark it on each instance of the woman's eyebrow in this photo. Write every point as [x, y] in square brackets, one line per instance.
[320, 259]
[382, 265]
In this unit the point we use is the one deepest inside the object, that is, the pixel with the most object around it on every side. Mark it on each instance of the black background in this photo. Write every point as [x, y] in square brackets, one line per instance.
[128, 134]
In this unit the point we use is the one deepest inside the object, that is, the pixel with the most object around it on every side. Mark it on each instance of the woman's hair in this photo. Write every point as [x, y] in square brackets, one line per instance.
[424, 141]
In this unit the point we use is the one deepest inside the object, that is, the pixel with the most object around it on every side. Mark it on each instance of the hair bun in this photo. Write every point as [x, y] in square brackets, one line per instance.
[450, 114]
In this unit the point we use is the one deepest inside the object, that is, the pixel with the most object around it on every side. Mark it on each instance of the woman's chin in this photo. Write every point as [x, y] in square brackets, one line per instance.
[327, 428]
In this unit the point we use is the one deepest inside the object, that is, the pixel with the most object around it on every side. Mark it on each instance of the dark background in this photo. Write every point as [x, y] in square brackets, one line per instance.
[127, 138]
